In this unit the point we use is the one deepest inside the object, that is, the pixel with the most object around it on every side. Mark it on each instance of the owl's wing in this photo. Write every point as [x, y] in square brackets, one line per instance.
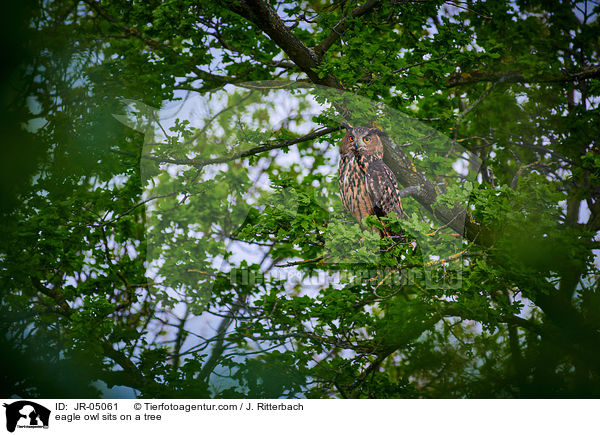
[382, 188]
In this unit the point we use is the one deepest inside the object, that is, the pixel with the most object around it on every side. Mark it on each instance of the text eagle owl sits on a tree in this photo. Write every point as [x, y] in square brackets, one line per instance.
[367, 185]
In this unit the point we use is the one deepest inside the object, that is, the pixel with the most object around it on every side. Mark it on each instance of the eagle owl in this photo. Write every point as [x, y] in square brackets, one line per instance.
[367, 185]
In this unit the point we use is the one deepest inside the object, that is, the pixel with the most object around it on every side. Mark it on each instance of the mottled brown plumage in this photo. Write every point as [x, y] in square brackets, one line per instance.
[367, 185]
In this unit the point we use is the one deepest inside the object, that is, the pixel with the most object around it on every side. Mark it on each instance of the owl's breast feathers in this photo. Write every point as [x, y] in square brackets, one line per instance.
[353, 187]
[368, 186]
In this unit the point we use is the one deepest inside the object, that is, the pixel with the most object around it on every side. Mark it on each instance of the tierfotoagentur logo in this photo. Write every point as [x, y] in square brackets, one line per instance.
[25, 414]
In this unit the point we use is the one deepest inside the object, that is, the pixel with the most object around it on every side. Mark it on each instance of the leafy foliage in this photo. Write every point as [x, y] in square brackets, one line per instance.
[171, 222]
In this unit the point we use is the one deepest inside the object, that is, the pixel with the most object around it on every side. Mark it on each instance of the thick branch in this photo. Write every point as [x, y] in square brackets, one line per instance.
[265, 18]
[228, 46]
[423, 190]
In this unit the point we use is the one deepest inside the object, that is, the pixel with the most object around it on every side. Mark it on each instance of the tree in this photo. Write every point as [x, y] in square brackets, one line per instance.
[156, 250]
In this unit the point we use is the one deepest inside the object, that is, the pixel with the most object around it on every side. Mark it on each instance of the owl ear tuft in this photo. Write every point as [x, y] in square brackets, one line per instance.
[379, 132]
[346, 126]
[376, 125]
[377, 129]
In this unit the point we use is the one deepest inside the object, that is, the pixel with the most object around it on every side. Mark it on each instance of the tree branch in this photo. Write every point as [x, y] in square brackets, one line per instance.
[159, 46]
[253, 151]
[265, 18]
[518, 77]
[340, 28]
[126, 29]
[132, 375]
[424, 191]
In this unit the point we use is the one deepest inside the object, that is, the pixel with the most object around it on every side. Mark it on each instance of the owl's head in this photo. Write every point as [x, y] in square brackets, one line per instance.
[362, 140]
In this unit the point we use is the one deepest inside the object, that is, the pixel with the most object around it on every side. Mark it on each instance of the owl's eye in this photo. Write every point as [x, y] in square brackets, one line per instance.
[351, 138]
[367, 139]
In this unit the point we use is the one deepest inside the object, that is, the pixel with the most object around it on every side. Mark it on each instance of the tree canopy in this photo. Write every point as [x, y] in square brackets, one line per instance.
[171, 222]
